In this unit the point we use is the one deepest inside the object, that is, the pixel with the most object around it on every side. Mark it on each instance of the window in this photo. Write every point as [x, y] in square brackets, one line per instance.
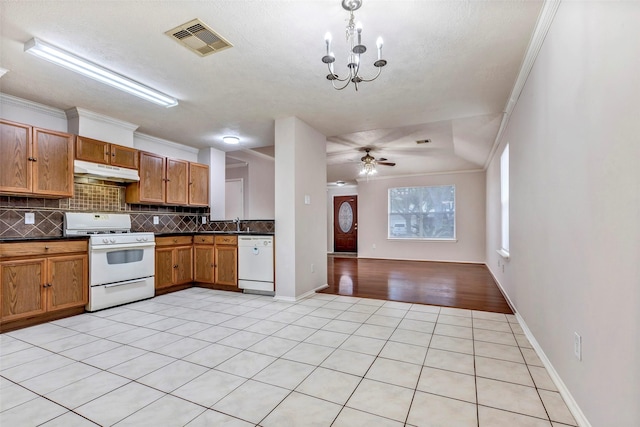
[422, 213]
[504, 199]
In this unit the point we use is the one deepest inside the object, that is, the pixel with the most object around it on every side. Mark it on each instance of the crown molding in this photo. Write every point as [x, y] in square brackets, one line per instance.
[79, 113]
[165, 142]
[545, 19]
[33, 106]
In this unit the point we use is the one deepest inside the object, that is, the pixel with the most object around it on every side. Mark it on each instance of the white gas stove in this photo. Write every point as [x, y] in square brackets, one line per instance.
[121, 263]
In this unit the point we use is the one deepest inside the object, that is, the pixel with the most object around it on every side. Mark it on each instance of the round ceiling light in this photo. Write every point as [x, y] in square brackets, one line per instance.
[231, 139]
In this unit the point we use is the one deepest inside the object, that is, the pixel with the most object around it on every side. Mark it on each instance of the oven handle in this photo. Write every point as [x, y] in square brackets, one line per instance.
[126, 282]
[122, 246]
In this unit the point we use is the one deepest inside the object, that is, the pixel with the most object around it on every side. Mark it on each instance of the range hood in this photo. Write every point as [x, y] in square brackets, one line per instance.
[105, 172]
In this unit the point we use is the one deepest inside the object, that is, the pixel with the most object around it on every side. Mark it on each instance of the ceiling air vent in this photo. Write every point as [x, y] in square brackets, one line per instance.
[423, 141]
[198, 37]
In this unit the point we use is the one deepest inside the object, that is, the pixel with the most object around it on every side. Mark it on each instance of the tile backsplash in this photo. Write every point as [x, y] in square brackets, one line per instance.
[103, 196]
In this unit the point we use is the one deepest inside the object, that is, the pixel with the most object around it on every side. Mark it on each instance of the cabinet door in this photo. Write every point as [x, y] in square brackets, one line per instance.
[204, 264]
[15, 152]
[164, 268]
[92, 150]
[68, 282]
[177, 182]
[52, 163]
[226, 265]
[22, 288]
[124, 156]
[198, 184]
[152, 178]
[183, 265]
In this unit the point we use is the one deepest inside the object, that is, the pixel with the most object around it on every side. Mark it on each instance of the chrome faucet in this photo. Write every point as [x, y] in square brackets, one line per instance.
[237, 221]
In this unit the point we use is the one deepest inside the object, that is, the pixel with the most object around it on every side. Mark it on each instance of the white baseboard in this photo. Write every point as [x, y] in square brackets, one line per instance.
[560, 385]
[575, 410]
[301, 297]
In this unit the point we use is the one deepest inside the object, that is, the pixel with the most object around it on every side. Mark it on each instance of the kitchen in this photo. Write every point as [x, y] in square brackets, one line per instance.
[106, 185]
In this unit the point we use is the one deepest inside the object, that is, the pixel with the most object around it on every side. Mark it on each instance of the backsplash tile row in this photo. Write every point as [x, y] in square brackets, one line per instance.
[108, 197]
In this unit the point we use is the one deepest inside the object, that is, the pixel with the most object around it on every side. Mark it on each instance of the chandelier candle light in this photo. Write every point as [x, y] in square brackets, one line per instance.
[354, 41]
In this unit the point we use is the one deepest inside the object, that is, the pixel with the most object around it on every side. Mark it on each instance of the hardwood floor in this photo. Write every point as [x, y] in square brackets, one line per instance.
[446, 284]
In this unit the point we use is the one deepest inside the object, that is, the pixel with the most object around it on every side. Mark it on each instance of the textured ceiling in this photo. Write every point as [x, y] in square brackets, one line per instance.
[452, 65]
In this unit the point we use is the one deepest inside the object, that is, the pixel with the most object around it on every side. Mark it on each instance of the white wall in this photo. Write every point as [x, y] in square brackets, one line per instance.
[92, 125]
[470, 220]
[575, 206]
[301, 258]
[30, 113]
[166, 148]
[347, 190]
[259, 184]
[216, 161]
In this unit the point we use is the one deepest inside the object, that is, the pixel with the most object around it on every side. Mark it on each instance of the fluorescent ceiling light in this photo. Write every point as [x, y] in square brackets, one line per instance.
[86, 68]
[231, 139]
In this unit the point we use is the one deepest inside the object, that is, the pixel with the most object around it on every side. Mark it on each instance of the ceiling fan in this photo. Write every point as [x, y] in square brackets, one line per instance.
[369, 163]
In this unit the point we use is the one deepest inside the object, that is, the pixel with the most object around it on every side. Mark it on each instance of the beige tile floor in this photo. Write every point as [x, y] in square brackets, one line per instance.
[200, 357]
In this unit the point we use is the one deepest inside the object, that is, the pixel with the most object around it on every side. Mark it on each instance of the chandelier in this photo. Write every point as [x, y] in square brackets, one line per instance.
[356, 48]
[368, 165]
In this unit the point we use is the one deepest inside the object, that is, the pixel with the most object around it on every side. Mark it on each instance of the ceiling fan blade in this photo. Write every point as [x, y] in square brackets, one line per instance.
[386, 163]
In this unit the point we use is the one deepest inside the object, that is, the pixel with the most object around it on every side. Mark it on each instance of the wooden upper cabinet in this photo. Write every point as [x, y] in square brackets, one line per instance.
[177, 182]
[52, 163]
[35, 161]
[198, 184]
[92, 150]
[124, 156]
[169, 181]
[151, 188]
[15, 152]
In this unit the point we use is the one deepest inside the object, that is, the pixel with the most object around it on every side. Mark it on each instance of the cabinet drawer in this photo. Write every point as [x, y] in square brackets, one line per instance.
[203, 240]
[226, 240]
[174, 240]
[13, 250]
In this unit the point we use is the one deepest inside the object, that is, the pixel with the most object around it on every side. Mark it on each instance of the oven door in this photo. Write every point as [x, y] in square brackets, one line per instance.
[118, 263]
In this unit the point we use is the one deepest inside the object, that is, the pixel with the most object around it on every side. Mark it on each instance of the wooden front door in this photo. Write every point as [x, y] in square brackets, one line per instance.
[345, 224]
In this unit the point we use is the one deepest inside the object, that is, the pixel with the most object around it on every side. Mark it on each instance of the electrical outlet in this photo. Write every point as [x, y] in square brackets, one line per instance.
[373, 246]
[204, 219]
[156, 220]
[577, 345]
[29, 218]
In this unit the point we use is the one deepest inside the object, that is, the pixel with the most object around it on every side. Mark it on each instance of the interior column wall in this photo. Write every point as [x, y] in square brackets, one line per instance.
[300, 199]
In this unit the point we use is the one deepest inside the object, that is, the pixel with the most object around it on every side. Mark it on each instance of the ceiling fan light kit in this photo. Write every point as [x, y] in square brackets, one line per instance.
[356, 48]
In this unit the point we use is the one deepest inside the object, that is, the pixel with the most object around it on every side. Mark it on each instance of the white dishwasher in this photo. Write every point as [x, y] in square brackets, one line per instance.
[255, 264]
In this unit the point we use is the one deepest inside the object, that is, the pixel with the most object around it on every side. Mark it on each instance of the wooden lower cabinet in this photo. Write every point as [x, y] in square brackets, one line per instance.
[174, 261]
[216, 260]
[32, 284]
[227, 265]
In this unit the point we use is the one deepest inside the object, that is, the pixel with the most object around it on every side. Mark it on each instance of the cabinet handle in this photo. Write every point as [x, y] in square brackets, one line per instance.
[175, 266]
[46, 248]
[191, 183]
[32, 159]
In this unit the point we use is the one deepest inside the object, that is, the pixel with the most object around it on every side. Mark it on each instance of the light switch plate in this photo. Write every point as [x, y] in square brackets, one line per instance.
[307, 199]
[29, 218]
[156, 220]
[204, 219]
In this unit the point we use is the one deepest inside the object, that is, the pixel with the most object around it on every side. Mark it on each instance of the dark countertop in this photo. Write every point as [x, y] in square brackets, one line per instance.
[41, 239]
[221, 233]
